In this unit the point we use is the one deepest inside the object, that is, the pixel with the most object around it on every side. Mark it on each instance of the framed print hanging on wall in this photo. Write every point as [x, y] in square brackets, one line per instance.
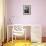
[27, 9]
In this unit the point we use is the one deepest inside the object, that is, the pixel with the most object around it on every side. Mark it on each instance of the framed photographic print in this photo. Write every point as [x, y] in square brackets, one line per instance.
[27, 9]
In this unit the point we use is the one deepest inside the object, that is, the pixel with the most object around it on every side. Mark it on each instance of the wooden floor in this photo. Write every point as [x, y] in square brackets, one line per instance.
[23, 43]
[18, 43]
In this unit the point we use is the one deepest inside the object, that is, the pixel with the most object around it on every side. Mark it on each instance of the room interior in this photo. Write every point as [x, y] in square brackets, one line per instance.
[31, 24]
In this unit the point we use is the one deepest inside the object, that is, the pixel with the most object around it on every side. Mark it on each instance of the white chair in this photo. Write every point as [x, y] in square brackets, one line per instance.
[17, 31]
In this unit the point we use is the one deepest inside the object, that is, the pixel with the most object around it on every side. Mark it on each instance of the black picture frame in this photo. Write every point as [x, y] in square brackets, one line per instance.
[27, 9]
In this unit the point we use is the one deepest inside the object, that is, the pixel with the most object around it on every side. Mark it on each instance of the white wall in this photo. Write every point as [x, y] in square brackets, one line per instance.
[1, 20]
[38, 12]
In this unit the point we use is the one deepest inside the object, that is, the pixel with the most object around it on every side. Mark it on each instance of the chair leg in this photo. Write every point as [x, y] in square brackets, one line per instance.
[25, 36]
[15, 38]
[2, 44]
